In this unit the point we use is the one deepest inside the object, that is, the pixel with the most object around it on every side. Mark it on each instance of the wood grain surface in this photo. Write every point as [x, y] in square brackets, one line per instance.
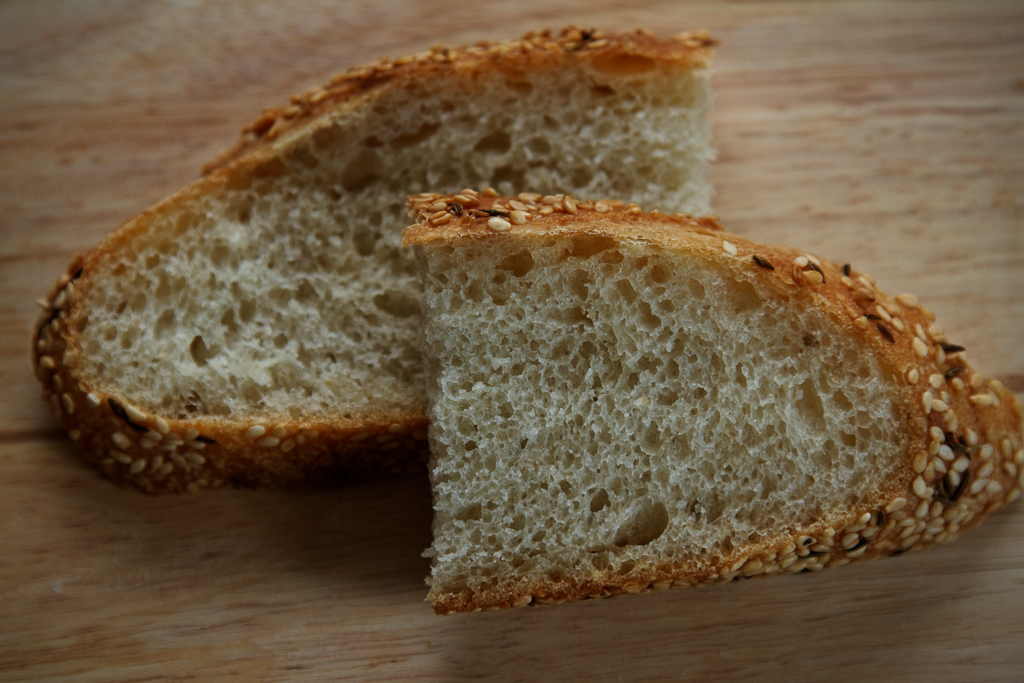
[889, 135]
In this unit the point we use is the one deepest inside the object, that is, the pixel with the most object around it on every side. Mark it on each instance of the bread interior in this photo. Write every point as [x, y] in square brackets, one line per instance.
[602, 407]
[285, 291]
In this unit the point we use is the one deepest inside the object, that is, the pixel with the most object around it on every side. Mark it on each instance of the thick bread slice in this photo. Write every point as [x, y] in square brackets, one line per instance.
[263, 324]
[624, 401]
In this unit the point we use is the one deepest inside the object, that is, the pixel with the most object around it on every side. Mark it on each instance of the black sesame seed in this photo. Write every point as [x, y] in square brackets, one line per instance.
[816, 553]
[455, 208]
[954, 371]
[955, 444]
[847, 270]
[809, 541]
[492, 212]
[872, 316]
[881, 517]
[137, 427]
[763, 262]
[886, 333]
[205, 439]
[952, 348]
[78, 274]
[118, 410]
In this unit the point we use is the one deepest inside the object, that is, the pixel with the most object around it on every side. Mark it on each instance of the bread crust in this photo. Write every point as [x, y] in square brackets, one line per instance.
[951, 411]
[159, 454]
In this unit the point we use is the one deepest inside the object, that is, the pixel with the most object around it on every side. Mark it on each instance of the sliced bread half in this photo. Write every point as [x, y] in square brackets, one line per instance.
[624, 401]
[262, 325]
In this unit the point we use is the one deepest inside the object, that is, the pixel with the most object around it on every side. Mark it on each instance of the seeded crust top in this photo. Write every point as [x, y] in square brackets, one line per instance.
[966, 450]
[618, 54]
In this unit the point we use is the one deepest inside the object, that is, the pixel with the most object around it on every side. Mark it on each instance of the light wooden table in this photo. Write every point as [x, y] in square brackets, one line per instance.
[889, 135]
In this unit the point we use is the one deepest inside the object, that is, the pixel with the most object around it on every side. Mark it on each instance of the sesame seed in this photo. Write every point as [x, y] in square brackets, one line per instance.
[993, 487]
[190, 434]
[279, 432]
[137, 466]
[178, 461]
[729, 248]
[156, 463]
[986, 470]
[69, 405]
[519, 217]
[913, 376]
[443, 219]
[883, 314]
[194, 458]
[254, 431]
[166, 469]
[161, 425]
[288, 445]
[982, 400]
[978, 485]
[814, 277]
[986, 451]
[920, 348]
[120, 456]
[907, 300]
[939, 406]
[936, 380]
[489, 192]
[961, 464]
[438, 207]
[570, 204]
[120, 440]
[946, 453]
[523, 601]
[146, 442]
[920, 460]
[896, 504]
[928, 400]
[800, 261]
[602, 206]
[861, 323]
[47, 362]
[134, 414]
[269, 441]
[498, 224]
[920, 488]
[1018, 457]
[360, 436]
[937, 433]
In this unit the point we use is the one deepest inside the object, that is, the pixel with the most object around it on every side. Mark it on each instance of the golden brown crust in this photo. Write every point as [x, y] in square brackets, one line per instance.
[613, 53]
[965, 456]
[312, 451]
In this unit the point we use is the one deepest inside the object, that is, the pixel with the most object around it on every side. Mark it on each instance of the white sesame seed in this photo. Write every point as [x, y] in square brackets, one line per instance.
[134, 414]
[934, 447]
[896, 504]
[1010, 468]
[178, 460]
[147, 443]
[928, 401]
[190, 434]
[898, 324]
[993, 488]
[156, 463]
[883, 314]
[861, 323]
[913, 376]
[729, 248]
[940, 355]
[439, 206]
[288, 445]
[921, 512]
[939, 406]
[166, 469]
[849, 540]
[194, 458]
[254, 431]
[1013, 497]
[570, 204]
[961, 464]
[937, 433]
[800, 261]
[1018, 457]
[986, 470]
[47, 362]
[814, 277]
[907, 300]
[519, 217]
[120, 440]
[120, 456]
[978, 485]
[161, 425]
[279, 432]
[137, 466]
[269, 441]
[1007, 447]
[523, 601]
[986, 451]
[69, 405]
[920, 488]
[982, 400]
[938, 465]
[498, 224]
[936, 380]
[920, 348]
[920, 460]
[946, 453]
[92, 399]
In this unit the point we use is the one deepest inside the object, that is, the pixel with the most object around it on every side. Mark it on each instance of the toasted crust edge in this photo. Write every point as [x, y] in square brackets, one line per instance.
[981, 421]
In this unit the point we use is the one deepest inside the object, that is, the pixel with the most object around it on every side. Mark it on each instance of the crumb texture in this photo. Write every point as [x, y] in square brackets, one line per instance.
[286, 291]
[602, 406]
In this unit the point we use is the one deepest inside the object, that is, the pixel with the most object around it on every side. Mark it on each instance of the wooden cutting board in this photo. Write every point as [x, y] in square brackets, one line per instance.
[889, 135]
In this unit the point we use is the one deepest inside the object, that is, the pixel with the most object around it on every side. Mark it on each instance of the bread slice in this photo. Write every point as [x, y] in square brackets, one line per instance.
[624, 401]
[262, 325]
